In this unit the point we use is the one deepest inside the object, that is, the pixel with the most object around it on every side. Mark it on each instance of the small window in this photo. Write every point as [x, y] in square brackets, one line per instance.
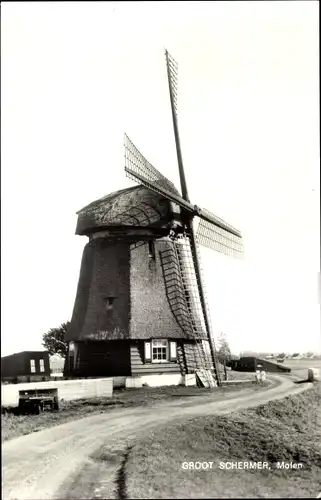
[42, 365]
[32, 366]
[109, 303]
[160, 350]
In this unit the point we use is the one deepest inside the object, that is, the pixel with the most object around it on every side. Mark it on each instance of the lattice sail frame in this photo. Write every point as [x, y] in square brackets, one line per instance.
[136, 163]
[192, 291]
[172, 72]
[218, 239]
[213, 233]
[191, 285]
[182, 293]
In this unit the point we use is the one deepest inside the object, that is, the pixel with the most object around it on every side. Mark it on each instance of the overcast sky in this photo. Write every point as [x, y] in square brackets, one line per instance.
[76, 76]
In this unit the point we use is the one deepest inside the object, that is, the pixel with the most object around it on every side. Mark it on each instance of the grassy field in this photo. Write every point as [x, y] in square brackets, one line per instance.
[300, 367]
[17, 425]
[232, 375]
[285, 430]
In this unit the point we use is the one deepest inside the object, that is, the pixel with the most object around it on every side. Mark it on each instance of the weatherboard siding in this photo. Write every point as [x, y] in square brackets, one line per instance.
[138, 367]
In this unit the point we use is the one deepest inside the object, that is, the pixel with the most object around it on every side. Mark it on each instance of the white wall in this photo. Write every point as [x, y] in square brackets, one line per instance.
[166, 379]
[67, 389]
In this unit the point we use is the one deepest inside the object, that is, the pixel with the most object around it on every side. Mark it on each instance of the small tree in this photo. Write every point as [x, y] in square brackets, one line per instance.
[54, 340]
[224, 351]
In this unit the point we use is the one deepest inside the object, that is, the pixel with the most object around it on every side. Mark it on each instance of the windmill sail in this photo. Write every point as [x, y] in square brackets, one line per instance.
[192, 283]
[172, 73]
[219, 239]
[136, 172]
[191, 286]
[182, 290]
[175, 290]
[136, 164]
[213, 232]
[140, 170]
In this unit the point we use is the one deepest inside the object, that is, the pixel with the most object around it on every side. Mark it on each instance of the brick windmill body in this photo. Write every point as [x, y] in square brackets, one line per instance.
[140, 308]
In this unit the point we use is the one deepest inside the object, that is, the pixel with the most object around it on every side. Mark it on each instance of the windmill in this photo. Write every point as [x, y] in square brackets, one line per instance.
[212, 232]
[141, 308]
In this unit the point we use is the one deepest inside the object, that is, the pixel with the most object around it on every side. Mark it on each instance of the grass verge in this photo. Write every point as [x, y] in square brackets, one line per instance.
[284, 430]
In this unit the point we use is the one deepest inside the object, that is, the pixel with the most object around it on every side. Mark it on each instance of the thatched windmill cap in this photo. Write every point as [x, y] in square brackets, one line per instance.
[135, 206]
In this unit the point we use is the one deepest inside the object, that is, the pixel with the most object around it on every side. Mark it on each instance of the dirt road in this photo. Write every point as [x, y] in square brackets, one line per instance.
[60, 463]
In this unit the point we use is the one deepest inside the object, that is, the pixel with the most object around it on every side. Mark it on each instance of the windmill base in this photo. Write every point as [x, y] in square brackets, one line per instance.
[127, 362]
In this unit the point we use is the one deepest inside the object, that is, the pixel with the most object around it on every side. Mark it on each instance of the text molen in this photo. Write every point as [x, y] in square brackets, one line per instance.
[289, 465]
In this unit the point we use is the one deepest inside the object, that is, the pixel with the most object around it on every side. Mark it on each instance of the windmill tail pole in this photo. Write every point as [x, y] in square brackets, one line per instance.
[203, 301]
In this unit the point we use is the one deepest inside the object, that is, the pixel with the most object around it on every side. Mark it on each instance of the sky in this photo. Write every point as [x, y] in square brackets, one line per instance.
[76, 76]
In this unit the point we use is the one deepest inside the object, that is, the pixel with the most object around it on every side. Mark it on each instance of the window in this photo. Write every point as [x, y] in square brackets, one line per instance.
[32, 366]
[109, 303]
[42, 365]
[160, 351]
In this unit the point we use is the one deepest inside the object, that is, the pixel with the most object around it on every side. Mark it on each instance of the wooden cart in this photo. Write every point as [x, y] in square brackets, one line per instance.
[36, 401]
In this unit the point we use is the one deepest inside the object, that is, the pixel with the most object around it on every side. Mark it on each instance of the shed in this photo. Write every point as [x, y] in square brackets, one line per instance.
[249, 364]
[25, 366]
